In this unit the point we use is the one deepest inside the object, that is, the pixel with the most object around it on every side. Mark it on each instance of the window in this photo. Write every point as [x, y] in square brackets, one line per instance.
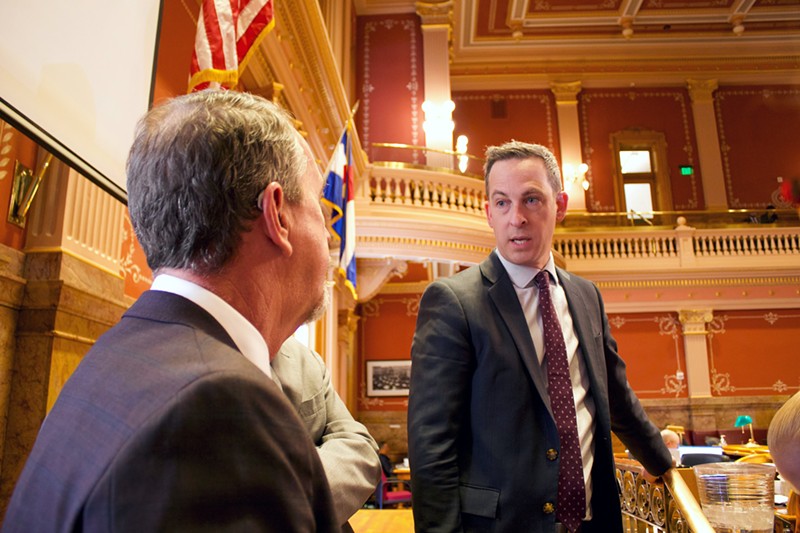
[641, 185]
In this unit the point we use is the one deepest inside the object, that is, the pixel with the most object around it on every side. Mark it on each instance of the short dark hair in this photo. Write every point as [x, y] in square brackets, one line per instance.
[521, 150]
[197, 164]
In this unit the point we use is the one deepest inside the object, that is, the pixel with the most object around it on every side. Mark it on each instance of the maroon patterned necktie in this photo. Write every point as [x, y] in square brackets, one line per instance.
[571, 505]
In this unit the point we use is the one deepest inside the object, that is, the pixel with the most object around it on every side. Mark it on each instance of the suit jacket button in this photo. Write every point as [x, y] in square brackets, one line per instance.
[552, 454]
[548, 508]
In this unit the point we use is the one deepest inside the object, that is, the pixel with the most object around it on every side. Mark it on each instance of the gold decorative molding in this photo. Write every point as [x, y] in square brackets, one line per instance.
[694, 283]
[436, 13]
[694, 320]
[367, 240]
[702, 90]
[566, 93]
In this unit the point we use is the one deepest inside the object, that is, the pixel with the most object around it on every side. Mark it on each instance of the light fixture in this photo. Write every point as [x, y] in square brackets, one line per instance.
[438, 123]
[741, 422]
[575, 175]
[461, 148]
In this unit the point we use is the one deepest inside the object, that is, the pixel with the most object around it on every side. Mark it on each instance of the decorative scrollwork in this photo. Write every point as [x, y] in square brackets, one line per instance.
[677, 523]
[629, 492]
[642, 498]
[658, 502]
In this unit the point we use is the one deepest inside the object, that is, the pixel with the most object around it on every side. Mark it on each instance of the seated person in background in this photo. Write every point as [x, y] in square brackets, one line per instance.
[670, 438]
[672, 441]
[386, 462]
[783, 438]
[347, 450]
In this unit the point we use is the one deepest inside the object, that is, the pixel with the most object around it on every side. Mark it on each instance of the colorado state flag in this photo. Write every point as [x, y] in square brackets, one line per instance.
[339, 196]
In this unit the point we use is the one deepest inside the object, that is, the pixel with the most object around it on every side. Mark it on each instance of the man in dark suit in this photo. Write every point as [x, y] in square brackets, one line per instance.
[170, 422]
[485, 447]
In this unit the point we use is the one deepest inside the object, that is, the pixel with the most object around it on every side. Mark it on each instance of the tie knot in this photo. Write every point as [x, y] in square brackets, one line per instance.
[542, 280]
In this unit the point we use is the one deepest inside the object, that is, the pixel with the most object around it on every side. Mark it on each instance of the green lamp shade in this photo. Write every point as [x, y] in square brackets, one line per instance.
[742, 420]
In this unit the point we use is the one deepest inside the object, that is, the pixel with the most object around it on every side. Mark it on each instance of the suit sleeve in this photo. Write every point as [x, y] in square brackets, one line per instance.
[438, 409]
[228, 453]
[349, 454]
[628, 419]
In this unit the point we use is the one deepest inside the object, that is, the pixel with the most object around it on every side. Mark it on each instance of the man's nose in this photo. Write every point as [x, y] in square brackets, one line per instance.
[517, 217]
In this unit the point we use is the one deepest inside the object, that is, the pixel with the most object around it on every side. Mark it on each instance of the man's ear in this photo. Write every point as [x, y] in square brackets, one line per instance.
[561, 205]
[273, 212]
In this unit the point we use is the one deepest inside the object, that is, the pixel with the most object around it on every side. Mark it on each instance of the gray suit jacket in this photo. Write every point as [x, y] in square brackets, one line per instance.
[165, 426]
[479, 418]
[348, 452]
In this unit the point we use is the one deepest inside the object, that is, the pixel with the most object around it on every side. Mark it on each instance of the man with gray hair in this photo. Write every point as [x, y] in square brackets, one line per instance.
[170, 421]
[783, 439]
[516, 383]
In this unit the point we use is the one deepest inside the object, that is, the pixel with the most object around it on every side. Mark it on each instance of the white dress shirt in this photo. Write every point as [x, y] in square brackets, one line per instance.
[521, 277]
[244, 334]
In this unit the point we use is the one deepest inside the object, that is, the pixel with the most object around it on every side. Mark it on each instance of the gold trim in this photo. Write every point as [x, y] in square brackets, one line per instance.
[680, 283]
[430, 243]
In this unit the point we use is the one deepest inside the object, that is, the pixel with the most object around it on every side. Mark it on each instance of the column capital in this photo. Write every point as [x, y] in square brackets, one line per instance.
[566, 93]
[702, 90]
[435, 12]
[694, 320]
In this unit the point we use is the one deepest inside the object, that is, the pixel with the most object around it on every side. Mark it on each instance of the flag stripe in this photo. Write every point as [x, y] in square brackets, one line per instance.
[228, 32]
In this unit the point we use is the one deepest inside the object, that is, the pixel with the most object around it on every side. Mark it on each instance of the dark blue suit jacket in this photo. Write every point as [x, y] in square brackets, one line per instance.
[479, 418]
[166, 426]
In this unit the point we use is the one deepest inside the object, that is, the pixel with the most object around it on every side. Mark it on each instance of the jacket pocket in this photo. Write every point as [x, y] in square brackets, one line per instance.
[479, 501]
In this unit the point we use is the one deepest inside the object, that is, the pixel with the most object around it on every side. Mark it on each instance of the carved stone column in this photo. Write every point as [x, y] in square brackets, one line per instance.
[348, 358]
[709, 153]
[569, 136]
[698, 376]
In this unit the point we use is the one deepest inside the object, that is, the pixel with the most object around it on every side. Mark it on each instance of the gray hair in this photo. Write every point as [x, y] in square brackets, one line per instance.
[521, 150]
[197, 165]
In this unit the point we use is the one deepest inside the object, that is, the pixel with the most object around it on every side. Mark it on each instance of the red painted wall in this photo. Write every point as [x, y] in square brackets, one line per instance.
[651, 344]
[530, 116]
[606, 111]
[754, 352]
[389, 71]
[758, 128]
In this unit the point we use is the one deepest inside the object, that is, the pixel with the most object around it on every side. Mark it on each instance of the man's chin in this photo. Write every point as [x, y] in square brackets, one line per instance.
[319, 310]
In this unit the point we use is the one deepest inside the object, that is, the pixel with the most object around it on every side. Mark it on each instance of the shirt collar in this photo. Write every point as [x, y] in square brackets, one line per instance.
[244, 335]
[521, 275]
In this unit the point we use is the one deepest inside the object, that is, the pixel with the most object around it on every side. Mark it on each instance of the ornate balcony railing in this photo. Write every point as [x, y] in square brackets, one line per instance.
[667, 505]
[412, 212]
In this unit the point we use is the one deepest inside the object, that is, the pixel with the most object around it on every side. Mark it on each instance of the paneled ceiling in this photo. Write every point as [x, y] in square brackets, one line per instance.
[524, 43]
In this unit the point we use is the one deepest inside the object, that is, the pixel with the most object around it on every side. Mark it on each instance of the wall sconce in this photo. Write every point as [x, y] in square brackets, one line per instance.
[24, 189]
[741, 422]
[575, 175]
[438, 122]
[461, 149]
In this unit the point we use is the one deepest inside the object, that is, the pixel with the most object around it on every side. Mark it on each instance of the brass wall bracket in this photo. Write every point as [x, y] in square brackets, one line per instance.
[23, 191]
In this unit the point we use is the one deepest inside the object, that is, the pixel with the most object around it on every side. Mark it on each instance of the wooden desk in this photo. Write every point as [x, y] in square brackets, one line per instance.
[742, 450]
[401, 472]
[383, 521]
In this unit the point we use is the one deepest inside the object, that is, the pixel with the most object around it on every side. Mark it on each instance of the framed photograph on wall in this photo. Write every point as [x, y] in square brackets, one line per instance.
[388, 378]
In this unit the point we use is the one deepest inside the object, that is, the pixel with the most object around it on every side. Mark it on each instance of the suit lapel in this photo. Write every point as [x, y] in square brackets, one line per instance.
[504, 297]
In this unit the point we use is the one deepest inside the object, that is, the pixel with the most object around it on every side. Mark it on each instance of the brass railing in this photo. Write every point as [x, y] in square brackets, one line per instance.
[667, 505]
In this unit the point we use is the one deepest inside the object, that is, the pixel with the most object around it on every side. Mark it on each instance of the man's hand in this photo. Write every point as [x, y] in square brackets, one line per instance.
[650, 478]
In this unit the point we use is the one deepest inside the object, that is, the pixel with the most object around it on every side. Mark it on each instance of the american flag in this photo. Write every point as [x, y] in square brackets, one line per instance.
[228, 32]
